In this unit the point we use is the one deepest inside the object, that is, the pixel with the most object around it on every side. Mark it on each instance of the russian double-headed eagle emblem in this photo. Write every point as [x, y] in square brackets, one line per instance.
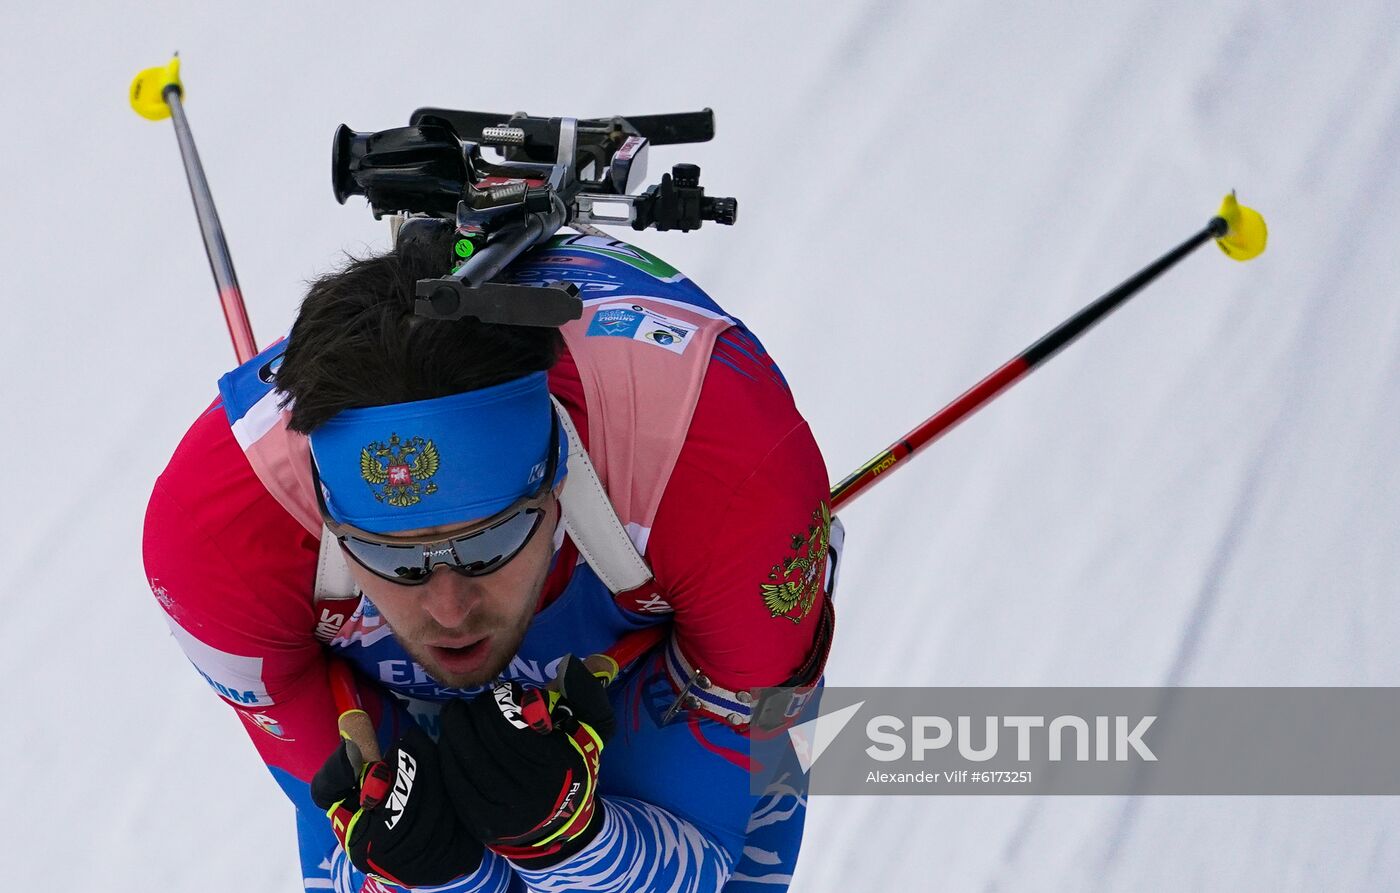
[398, 471]
[799, 578]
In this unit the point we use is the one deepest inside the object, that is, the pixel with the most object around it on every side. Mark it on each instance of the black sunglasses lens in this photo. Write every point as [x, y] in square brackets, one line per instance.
[483, 552]
[401, 564]
[475, 555]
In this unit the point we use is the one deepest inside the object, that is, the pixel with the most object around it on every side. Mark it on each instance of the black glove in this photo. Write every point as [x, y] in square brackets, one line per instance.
[521, 766]
[392, 817]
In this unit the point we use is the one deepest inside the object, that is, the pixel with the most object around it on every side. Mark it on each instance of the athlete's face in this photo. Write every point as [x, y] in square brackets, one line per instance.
[465, 630]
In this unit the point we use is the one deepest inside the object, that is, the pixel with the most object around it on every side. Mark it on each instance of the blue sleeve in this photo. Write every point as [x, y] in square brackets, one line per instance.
[316, 844]
[678, 812]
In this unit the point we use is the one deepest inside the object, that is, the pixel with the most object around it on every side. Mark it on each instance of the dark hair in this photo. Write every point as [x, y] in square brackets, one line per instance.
[356, 341]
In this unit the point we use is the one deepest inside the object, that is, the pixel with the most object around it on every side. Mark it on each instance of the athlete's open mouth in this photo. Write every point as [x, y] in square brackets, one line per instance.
[460, 649]
[464, 658]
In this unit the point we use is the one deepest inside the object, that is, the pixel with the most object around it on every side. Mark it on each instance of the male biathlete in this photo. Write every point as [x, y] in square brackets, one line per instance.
[451, 508]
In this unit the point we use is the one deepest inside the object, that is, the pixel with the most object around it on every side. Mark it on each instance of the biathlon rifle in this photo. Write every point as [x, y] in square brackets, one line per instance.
[552, 173]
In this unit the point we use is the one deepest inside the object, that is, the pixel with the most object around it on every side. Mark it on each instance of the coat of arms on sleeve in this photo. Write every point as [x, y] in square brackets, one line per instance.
[398, 471]
[798, 579]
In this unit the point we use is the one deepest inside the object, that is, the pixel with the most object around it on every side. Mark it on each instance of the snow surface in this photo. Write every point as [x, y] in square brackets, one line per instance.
[1204, 491]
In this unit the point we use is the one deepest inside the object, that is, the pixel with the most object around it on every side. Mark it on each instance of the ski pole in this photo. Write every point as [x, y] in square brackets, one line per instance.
[351, 719]
[156, 94]
[1239, 231]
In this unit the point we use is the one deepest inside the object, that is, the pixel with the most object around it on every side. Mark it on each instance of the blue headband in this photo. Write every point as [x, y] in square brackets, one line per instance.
[448, 460]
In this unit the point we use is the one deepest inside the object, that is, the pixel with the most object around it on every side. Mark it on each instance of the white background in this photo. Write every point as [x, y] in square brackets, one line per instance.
[1204, 491]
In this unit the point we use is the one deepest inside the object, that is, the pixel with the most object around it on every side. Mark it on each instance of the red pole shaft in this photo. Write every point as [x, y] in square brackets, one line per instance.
[987, 389]
[239, 328]
[351, 719]
[932, 428]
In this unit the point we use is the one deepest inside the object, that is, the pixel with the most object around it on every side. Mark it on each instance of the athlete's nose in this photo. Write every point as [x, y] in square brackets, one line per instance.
[449, 598]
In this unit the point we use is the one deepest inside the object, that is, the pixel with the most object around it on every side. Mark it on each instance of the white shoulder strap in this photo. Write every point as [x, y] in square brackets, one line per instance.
[592, 522]
[589, 517]
[333, 578]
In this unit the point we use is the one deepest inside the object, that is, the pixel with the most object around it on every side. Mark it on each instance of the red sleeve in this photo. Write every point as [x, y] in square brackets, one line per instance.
[739, 543]
[234, 572]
